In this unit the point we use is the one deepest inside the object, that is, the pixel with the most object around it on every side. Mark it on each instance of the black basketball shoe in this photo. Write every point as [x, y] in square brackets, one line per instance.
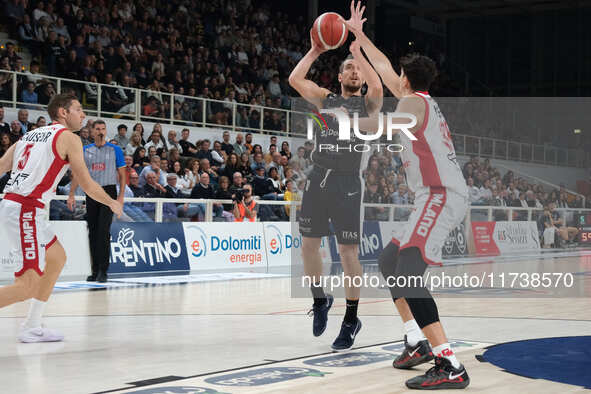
[413, 355]
[346, 337]
[441, 376]
[320, 316]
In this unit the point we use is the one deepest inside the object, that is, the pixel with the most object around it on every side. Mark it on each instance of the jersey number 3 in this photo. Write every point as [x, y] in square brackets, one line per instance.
[22, 162]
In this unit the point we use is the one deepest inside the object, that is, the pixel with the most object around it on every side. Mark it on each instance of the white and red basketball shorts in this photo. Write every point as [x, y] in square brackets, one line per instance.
[436, 213]
[28, 234]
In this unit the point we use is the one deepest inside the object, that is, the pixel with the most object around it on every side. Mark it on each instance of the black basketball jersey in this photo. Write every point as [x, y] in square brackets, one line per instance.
[345, 158]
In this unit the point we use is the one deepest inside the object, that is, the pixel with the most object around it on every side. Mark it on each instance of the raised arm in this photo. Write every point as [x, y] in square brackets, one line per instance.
[375, 94]
[380, 62]
[70, 146]
[308, 89]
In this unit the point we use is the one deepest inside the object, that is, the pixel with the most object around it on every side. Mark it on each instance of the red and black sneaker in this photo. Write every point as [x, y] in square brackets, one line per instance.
[413, 355]
[442, 376]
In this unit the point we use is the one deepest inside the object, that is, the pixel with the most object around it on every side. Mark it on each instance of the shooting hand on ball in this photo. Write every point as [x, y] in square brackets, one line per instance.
[355, 23]
[315, 46]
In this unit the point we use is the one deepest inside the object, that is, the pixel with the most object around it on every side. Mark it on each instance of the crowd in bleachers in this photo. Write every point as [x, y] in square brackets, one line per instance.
[228, 50]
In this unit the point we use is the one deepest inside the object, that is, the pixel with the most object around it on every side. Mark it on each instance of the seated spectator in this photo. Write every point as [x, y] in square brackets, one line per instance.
[173, 143]
[30, 96]
[244, 166]
[202, 190]
[155, 141]
[129, 170]
[218, 154]
[224, 193]
[237, 182]
[5, 143]
[152, 189]
[121, 136]
[41, 122]
[206, 169]
[154, 168]
[183, 180]
[568, 234]
[15, 131]
[257, 162]
[238, 147]
[204, 152]
[134, 142]
[291, 194]
[226, 145]
[188, 149]
[169, 210]
[285, 150]
[231, 166]
[247, 208]
[133, 209]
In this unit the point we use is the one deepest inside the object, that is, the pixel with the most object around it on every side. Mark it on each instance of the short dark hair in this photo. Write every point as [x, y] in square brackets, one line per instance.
[420, 70]
[98, 121]
[58, 101]
[342, 66]
[122, 126]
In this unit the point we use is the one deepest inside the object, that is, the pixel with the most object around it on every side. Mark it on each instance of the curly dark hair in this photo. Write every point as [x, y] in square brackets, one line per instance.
[420, 70]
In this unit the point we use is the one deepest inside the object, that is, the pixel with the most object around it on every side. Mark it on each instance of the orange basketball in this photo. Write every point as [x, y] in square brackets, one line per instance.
[328, 31]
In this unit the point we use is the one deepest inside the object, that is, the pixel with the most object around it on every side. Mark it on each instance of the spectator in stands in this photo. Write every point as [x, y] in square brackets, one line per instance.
[473, 192]
[41, 122]
[140, 160]
[247, 208]
[29, 95]
[204, 152]
[5, 143]
[155, 141]
[152, 189]
[133, 209]
[224, 193]
[567, 234]
[129, 170]
[135, 142]
[248, 142]
[188, 149]
[237, 182]
[238, 147]
[231, 166]
[203, 189]
[169, 210]
[23, 119]
[183, 180]
[154, 168]
[172, 142]
[532, 201]
[121, 136]
[206, 168]
[15, 131]
[226, 145]
[218, 154]
[285, 150]
[193, 171]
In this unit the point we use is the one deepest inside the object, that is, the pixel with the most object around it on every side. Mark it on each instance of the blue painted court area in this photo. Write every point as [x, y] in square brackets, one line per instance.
[563, 359]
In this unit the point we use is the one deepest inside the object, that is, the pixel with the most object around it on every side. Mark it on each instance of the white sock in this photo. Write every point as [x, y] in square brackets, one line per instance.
[444, 350]
[413, 332]
[35, 313]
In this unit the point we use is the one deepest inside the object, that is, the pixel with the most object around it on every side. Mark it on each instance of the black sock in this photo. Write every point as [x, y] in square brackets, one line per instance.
[318, 294]
[351, 313]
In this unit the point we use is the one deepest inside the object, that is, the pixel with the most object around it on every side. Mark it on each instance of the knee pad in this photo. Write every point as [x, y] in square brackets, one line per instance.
[424, 310]
[388, 260]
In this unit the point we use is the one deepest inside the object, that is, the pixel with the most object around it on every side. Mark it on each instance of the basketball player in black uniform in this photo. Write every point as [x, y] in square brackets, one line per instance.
[333, 189]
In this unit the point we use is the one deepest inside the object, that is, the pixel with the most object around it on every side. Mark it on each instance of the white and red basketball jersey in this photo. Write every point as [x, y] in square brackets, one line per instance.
[36, 166]
[431, 160]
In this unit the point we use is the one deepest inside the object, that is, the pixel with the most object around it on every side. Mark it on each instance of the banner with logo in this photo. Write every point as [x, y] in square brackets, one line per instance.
[497, 238]
[147, 247]
[225, 245]
[284, 244]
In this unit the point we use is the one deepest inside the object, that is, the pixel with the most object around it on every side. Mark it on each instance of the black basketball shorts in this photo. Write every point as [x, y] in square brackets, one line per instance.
[331, 197]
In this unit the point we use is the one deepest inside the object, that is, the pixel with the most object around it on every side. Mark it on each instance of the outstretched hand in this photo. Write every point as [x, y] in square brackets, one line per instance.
[356, 21]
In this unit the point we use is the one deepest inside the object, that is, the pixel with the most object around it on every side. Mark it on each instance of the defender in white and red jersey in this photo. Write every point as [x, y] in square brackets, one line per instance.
[441, 202]
[37, 162]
